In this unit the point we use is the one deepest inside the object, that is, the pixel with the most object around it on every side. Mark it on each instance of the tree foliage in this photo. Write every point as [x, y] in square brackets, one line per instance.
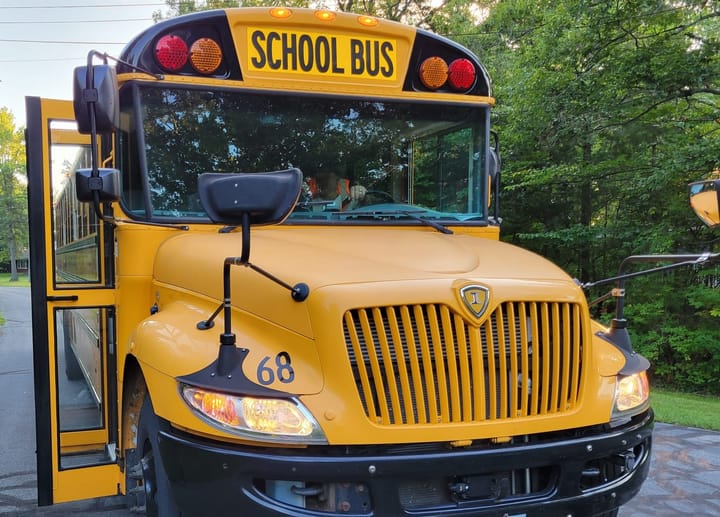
[607, 110]
[13, 204]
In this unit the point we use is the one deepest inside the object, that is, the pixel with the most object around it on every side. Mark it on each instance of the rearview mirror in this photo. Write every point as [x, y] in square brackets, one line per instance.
[102, 92]
[266, 197]
[705, 201]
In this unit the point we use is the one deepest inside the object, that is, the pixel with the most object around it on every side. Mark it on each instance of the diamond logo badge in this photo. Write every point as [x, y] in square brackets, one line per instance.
[476, 298]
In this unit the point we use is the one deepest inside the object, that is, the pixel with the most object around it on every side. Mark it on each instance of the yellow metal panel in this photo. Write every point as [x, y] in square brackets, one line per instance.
[491, 371]
[70, 137]
[463, 355]
[524, 362]
[535, 361]
[85, 483]
[556, 345]
[452, 373]
[513, 337]
[259, 43]
[80, 438]
[502, 364]
[439, 372]
[429, 373]
[402, 372]
[414, 360]
[546, 366]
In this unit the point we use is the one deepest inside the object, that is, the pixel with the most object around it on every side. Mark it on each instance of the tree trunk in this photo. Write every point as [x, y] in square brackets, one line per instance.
[13, 257]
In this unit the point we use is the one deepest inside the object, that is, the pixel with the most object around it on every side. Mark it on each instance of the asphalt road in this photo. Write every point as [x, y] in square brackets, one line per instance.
[684, 475]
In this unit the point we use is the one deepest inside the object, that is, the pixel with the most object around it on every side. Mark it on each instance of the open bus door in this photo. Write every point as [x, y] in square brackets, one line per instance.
[73, 315]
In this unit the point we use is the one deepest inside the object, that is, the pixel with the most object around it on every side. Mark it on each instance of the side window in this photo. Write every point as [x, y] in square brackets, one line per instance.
[83, 329]
[76, 242]
[447, 172]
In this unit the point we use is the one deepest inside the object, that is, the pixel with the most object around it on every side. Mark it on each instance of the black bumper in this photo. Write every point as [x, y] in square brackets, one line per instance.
[570, 474]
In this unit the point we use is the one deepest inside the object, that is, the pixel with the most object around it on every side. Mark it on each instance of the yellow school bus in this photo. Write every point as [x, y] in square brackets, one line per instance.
[283, 286]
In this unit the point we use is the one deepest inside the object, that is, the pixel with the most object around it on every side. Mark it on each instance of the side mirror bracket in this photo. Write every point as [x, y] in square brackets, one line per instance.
[96, 106]
[246, 199]
[106, 183]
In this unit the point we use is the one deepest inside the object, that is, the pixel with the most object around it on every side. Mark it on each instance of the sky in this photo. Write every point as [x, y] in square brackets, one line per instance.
[42, 41]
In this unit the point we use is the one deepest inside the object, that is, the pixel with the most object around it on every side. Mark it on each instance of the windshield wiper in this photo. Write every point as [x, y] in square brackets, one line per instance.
[412, 214]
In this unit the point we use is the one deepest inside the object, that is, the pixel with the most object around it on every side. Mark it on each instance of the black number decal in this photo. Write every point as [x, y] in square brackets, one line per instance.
[284, 371]
[265, 375]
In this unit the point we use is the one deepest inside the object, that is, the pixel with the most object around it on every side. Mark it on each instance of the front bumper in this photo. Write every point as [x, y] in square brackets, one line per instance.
[580, 473]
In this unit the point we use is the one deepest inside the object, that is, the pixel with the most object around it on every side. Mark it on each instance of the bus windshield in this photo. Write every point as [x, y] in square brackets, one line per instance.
[368, 159]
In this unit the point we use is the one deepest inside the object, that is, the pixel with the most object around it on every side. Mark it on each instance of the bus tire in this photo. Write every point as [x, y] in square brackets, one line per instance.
[148, 489]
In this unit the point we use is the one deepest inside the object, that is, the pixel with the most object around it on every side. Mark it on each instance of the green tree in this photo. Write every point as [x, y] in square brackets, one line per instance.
[13, 205]
[602, 107]
[606, 111]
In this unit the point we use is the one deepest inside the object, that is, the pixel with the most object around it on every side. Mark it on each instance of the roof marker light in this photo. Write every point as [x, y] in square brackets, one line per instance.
[171, 53]
[325, 16]
[368, 21]
[461, 74]
[433, 72]
[280, 12]
[205, 56]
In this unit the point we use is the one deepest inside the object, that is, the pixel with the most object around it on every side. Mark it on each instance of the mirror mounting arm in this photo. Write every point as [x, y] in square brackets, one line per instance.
[299, 292]
[90, 97]
[618, 325]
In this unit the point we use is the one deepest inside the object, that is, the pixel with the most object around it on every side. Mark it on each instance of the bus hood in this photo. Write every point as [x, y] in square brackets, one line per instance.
[379, 260]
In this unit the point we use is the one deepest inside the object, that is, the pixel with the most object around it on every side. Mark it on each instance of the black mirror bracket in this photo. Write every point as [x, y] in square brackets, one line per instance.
[259, 198]
[227, 356]
[618, 325]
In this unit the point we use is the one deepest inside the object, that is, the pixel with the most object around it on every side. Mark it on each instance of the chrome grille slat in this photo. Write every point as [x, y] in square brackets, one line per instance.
[425, 364]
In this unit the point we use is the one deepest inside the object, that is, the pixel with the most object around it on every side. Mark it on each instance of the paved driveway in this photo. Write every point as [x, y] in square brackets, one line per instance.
[684, 474]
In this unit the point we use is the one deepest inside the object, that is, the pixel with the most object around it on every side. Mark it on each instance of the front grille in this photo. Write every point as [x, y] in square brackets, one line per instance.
[425, 364]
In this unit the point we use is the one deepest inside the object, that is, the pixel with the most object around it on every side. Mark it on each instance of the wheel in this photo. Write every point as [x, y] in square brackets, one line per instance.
[148, 489]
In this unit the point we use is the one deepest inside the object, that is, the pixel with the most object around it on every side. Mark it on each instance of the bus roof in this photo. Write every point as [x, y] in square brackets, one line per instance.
[306, 49]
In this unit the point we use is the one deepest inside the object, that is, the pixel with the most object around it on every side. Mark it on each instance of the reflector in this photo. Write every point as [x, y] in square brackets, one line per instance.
[433, 72]
[461, 74]
[171, 53]
[205, 56]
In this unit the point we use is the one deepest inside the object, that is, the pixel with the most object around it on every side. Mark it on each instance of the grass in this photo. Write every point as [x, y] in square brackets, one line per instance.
[23, 280]
[686, 409]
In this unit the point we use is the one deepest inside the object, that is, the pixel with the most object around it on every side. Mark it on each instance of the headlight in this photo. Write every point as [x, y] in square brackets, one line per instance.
[259, 419]
[631, 394]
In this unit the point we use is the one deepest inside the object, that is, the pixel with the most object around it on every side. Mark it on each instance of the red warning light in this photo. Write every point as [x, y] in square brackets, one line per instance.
[461, 74]
[171, 53]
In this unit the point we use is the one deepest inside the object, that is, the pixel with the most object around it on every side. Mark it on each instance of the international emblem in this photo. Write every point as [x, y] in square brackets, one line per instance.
[476, 298]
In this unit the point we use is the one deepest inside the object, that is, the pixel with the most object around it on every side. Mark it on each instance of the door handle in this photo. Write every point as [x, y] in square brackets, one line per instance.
[68, 298]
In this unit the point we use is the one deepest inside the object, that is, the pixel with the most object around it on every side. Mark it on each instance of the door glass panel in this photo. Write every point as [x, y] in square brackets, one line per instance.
[80, 366]
[80, 334]
[76, 235]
